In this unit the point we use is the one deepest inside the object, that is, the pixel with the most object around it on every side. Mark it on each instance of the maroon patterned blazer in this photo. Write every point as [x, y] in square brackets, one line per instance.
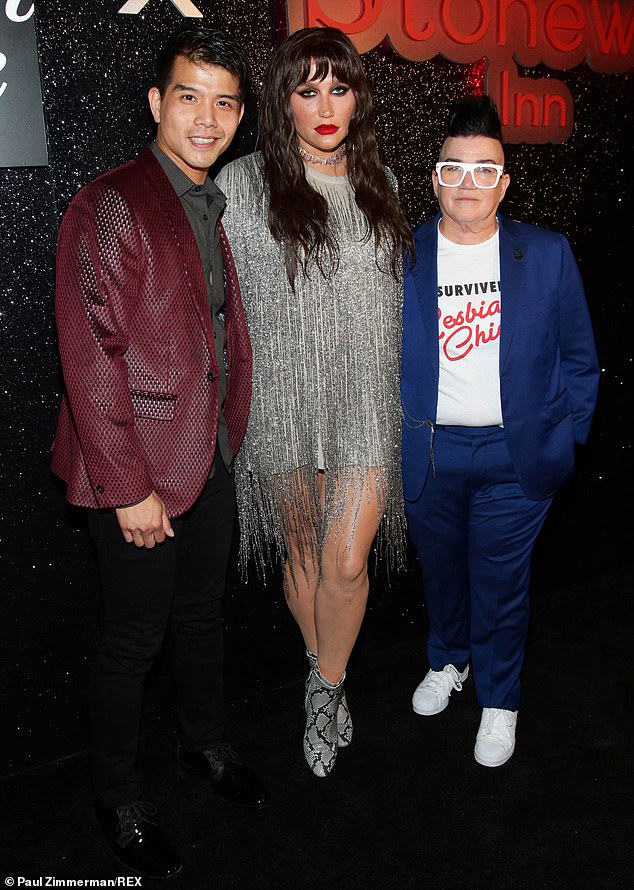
[140, 408]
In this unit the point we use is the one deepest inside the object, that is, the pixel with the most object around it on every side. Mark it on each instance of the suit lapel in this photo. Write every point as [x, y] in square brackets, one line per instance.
[189, 256]
[513, 266]
[426, 282]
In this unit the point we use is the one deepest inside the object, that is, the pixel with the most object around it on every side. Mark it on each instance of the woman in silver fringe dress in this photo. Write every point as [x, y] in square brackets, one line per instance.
[317, 235]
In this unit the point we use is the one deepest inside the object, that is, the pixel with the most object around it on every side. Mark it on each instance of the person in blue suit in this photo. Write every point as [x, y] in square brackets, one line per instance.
[500, 377]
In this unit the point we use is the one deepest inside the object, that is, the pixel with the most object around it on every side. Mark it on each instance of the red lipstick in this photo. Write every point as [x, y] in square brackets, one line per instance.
[326, 129]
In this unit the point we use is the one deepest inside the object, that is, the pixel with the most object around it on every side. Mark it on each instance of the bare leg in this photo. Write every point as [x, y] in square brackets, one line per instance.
[342, 590]
[300, 585]
[328, 600]
[301, 576]
[327, 594]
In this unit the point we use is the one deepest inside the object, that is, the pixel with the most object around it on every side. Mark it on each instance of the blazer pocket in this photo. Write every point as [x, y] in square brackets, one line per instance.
[153, 405]
[559, 408]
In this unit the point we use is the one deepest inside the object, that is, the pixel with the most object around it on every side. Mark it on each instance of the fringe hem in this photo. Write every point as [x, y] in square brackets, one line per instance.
[288, 506]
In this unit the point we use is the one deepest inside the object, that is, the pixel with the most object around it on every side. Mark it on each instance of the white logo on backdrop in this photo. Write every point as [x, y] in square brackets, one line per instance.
[12, 9]
[22, 133]
[12, 12]
[133, 7]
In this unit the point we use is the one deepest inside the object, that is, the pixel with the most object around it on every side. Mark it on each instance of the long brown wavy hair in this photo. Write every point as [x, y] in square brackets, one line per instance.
[298, 215]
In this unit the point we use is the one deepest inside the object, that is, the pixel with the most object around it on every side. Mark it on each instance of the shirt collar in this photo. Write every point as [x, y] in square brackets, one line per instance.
[180, 181]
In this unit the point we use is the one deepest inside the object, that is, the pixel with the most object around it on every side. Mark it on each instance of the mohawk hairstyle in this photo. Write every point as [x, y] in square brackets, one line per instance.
[474, 116]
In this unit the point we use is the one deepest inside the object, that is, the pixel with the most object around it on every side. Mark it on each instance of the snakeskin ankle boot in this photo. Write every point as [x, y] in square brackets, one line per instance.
[344, 718]
[320, 738]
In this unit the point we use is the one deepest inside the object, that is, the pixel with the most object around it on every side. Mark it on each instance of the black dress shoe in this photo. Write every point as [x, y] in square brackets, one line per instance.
[230, 780]
[136, 840]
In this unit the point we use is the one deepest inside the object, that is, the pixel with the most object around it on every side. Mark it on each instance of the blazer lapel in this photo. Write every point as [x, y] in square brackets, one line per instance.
[189, 256]
[513, 266]
[426, 282]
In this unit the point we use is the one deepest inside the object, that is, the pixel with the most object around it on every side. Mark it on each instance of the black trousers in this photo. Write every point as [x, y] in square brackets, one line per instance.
[173, 592]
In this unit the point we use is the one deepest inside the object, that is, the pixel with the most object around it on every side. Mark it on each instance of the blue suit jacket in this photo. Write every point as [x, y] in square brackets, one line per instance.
[549, 372]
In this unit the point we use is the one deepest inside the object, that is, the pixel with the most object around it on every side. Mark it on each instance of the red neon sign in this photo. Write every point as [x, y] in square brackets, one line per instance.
[557, 33]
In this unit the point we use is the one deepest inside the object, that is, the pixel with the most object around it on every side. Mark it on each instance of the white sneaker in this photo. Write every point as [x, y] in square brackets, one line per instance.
[495, 741]
[432, 695]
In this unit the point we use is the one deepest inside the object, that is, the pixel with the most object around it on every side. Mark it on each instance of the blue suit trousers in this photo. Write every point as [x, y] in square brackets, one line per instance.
[474, 530]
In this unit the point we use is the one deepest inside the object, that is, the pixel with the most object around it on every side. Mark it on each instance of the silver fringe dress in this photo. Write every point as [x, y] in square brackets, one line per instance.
[326, 369]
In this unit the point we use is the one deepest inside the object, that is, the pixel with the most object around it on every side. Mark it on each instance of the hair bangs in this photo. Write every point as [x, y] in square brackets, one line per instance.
[317, 63]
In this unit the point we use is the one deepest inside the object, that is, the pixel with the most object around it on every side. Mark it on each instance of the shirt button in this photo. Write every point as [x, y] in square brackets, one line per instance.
[198, 188]
[211, 376]
[100, 489]
[205, 217]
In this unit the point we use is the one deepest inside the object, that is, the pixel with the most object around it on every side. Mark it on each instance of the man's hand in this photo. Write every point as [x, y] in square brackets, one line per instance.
[145, 523]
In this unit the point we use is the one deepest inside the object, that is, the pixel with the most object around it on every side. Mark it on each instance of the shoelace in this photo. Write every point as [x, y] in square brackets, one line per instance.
[132, 815]
[439, 680]
[498, 720]
[219, 755]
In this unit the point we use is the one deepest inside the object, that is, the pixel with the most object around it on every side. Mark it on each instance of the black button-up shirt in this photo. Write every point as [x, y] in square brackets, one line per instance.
[203, 205]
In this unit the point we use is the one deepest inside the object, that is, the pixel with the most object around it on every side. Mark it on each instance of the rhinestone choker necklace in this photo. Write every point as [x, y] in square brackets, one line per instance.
[329, 161]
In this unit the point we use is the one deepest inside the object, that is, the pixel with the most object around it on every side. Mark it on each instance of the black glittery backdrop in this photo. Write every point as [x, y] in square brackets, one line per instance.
[96, 66]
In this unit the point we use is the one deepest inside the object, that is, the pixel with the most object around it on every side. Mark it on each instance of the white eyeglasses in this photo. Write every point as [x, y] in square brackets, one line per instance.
[485, 176]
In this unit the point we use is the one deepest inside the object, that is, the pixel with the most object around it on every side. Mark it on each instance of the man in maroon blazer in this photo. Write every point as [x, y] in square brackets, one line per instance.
[157, 368]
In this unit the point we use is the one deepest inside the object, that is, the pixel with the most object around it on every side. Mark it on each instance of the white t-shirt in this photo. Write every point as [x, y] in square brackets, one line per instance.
[469, 303]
